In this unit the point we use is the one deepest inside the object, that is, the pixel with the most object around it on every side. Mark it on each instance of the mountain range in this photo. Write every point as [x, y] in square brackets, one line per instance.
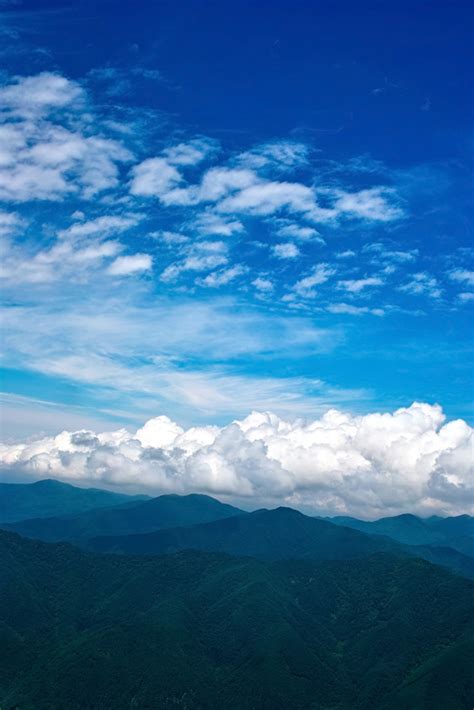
[205, 606]
[170, 523]
[456, 532]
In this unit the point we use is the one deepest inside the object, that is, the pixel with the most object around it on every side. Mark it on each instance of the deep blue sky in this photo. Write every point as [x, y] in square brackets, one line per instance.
[362, 111]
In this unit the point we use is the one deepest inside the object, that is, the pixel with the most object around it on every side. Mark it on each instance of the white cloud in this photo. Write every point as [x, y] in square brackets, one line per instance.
[380, 463]
[195, 262]
[199, 256]
[126, 265]
[383, 253]
[422, 283]
[75, 256]
[462, 276]
[219, 182]
[169, 238]
[280, 155]
[104, 225]
[209, 224]
[221, 278]
[38, 94]
[9, 222]
[302, 232]
[263, 285]
[190, 153]
[319, 275]
[466, 296]
[154, 177]
[266, 198]
[349, 309]
[357, 285]
[50, 143]
[371, 204]
[286, 250]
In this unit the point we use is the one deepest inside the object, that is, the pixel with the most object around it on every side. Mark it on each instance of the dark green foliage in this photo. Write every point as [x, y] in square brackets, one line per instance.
[131, 518]
[276, 534]
[44, 499]
[194, 630]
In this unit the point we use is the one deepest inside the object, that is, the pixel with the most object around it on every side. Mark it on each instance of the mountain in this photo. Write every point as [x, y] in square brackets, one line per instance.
[139, 517]
[455, 532]
[197, 630]
[44, 499]
[277, 534]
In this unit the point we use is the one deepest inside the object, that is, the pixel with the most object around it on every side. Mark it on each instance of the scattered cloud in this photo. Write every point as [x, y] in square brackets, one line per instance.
[357, 285]
[301, 232]
[422, 283]
[286, 250]
[154, 177]
[350, 309]
[319, 275]
[372, 204]
[281, 155]
[222, 278]
[48, 145]
[263, 285]
[462, 276]
[133, 264]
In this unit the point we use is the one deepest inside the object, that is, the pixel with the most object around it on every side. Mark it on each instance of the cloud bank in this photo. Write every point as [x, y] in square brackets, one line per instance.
[376, 464]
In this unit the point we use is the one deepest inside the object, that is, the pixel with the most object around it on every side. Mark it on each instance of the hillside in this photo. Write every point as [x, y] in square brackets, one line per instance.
[198, 630]
[277, 534]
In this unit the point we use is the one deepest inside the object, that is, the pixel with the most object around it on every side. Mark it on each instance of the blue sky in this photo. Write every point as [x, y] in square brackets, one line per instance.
[230, 207]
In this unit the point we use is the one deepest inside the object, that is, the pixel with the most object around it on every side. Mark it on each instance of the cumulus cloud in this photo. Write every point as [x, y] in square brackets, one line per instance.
[190, 153]
[263, 285]
[37, 94]
[154, 177]
[380, 463]
[298, 231]
[372, 204]
[50, 146]
[126, 265]
[286, 250]
[211, 224]
[462, 276]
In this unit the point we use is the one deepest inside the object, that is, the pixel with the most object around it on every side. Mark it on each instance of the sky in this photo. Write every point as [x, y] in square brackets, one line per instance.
[230, 208]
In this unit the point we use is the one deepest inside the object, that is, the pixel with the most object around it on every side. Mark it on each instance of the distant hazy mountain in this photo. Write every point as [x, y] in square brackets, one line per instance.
[456, 532]
[44, 499]
[275, 535]
[198, 630]
[139, 517]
